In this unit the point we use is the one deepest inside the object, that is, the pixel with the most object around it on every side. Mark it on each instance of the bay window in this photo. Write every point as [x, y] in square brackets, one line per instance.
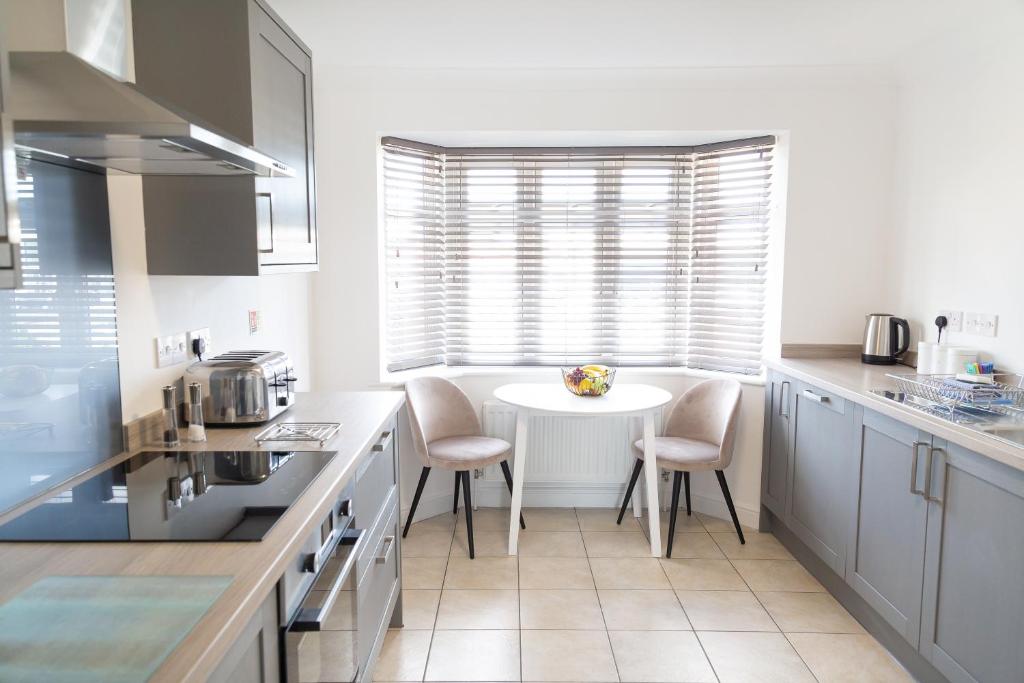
[626, 256]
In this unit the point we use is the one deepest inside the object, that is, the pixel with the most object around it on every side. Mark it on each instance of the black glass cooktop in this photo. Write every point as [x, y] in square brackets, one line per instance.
[174, 496]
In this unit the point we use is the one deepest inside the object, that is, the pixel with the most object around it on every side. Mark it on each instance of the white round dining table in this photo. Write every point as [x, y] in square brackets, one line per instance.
[636, 400]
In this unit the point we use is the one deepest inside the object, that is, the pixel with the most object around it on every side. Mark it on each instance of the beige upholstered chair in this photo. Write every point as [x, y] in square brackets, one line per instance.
[699, 435]
[446, 433]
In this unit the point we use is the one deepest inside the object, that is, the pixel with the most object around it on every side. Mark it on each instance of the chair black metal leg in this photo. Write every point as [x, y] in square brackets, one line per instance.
[508, 482]
[637, 468]
[728, 502]
[686, 484]
[467, 498]
[455, 505]
[416, 499]
[677, 479]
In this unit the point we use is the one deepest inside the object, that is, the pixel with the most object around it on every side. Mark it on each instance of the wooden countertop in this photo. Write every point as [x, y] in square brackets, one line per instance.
[854, 381]
[256, 567]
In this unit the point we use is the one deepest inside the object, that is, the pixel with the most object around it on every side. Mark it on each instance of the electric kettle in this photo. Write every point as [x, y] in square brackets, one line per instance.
[885, 338]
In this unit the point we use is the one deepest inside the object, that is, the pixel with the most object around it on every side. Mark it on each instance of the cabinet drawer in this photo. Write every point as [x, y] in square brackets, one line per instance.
[378, 580]
[376, 477]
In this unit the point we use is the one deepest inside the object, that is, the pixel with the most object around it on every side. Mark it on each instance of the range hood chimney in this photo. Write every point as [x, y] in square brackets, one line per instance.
[72, 98]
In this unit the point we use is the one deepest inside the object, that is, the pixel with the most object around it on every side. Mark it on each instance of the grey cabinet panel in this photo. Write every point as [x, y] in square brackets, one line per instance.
[282, 111]
[236, 67]
[379, 585]
[973, 615]
[821, 472]
[255, 656]
[887, 533]
[775, 468]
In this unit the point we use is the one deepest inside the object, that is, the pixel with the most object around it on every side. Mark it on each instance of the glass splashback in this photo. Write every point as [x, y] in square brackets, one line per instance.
[60, 399]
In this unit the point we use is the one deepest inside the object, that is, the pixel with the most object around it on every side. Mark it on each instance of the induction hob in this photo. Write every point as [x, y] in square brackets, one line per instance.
[174, 496]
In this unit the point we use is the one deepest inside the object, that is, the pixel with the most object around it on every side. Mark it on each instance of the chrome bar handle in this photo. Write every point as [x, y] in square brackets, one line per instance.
[913, 467]
[312, 619]
[389, 541]
[815, 397]
[384, 442]
[783, 401]
[927, 493]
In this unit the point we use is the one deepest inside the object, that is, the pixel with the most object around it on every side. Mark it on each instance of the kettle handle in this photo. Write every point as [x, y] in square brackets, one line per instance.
[904, 328]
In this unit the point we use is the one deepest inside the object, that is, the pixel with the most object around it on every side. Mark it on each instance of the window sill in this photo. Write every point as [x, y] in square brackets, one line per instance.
[396, 380]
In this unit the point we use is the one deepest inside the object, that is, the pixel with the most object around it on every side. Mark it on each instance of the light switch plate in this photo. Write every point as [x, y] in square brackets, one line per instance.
[981, 324]
[204, 334]
[170, 350]
[954, 320]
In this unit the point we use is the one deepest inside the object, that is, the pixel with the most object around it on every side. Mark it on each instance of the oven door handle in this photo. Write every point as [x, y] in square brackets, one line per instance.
[312, 618]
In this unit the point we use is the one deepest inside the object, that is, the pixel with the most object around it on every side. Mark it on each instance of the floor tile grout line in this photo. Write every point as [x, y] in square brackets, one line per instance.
[600, 606]
[750, 588]
[444, 576]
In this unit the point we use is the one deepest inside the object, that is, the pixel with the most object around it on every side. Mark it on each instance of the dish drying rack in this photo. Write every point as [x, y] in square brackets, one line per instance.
[998, 397]
[299, 432]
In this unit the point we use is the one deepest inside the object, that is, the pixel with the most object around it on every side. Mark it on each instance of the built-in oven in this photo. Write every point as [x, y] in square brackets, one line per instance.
[320, 634]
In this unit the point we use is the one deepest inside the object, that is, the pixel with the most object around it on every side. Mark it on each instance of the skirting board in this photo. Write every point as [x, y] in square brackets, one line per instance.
[491, 494]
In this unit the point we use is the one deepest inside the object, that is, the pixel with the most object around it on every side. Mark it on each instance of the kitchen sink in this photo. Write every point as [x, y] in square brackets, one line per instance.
[1009, 428]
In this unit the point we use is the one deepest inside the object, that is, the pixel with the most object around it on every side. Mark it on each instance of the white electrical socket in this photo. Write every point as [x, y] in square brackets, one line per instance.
[204, 334]
[981, 324]
[954, 320]
[170, 350]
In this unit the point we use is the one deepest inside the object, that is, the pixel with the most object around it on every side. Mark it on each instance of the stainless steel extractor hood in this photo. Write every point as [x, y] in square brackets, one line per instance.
[72, 98]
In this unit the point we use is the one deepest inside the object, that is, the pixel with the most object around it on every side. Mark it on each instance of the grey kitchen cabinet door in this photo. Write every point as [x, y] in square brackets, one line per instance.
[885, 564]
[973, 614]
[821, 472]
[778, 393]
[282, 111]
[255, 656]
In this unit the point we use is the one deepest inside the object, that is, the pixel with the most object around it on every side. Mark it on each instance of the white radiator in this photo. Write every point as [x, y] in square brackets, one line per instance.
[570, 460]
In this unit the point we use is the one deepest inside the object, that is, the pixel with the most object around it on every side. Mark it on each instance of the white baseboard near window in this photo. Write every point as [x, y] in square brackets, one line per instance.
[489, 494]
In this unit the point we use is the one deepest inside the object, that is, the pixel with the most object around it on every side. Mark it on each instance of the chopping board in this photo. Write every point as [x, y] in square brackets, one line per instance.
[93, 629]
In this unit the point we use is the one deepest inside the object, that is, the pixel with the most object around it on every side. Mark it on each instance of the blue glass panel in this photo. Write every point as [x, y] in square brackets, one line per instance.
[60, 399]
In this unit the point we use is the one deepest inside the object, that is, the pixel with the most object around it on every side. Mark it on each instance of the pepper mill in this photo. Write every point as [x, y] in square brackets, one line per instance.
[169, 415]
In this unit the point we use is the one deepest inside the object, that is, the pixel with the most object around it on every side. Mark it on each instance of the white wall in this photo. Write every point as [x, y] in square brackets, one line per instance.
[836, 124]
[958, 234]
[151, 306]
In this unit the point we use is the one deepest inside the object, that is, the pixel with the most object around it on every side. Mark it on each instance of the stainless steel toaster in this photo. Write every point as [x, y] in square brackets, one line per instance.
[244, 387]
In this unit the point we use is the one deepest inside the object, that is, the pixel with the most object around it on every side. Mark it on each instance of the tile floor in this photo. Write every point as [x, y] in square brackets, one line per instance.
[585, 602]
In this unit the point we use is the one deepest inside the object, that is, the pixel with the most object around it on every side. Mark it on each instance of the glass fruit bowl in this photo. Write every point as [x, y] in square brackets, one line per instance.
[588, 380]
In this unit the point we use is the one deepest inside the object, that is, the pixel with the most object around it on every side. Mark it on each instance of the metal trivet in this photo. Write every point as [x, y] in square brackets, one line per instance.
[299, 431]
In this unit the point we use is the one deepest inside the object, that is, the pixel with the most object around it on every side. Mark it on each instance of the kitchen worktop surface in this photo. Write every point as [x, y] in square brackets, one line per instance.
[254, 567]
[853, 380]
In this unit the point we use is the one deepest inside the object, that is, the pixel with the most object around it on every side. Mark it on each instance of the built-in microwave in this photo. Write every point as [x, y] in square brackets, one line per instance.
[320, 634]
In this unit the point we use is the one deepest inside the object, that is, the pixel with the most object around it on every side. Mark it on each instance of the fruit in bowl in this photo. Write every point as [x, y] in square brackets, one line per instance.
[588, 380]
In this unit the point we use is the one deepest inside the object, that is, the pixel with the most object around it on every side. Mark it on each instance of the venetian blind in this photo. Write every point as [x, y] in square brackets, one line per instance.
[625, 256]
[414, 262]
[729, 258]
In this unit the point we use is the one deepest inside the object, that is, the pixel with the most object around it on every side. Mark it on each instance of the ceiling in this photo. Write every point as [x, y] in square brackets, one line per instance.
[525, 34]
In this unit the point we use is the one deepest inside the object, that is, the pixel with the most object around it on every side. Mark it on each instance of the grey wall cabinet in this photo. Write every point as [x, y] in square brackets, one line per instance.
[821, 471]
[973, 613]
[887, 531]
[238, 68]
[775, 472]
[255, 656]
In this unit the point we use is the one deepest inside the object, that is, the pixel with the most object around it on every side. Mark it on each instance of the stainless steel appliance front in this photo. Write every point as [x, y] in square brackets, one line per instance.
[321, 637]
